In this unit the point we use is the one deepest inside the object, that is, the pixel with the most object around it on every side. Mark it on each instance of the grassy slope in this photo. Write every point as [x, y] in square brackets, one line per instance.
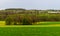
[48, 23]
[2, 23]
[29, 31]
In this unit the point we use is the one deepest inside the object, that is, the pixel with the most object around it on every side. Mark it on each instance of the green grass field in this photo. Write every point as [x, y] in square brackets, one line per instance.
[2, 23]
[29, 31]
[48, 23]
[44, 29]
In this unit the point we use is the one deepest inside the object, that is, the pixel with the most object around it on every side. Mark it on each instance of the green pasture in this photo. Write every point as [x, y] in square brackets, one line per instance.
[2, 23]
[29, 31]
[44, 29]
[48, 23]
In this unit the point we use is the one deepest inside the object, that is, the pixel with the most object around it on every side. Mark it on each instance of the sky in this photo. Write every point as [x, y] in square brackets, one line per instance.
[30, 4]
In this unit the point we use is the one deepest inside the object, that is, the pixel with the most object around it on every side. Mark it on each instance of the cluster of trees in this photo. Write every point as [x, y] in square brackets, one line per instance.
[27, 17]
[49, 17]
[20, 20]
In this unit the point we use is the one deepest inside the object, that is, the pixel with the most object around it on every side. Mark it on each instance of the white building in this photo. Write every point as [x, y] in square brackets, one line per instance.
[53, 12]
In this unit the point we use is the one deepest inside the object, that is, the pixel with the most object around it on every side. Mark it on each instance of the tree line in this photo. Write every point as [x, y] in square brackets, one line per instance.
[27, 17]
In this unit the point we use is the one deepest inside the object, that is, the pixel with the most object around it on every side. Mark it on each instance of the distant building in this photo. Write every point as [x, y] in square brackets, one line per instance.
[53, 12]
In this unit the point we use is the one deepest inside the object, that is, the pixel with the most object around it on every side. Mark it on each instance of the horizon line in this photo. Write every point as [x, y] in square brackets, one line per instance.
[31, 9]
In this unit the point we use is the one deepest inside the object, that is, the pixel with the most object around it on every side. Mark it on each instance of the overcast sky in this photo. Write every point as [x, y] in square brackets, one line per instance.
[30, 4]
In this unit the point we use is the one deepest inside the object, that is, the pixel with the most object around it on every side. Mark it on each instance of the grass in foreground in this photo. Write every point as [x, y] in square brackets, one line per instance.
[29, 31]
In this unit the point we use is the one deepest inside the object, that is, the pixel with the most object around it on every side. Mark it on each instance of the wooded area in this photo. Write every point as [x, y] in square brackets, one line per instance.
[19, 16]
